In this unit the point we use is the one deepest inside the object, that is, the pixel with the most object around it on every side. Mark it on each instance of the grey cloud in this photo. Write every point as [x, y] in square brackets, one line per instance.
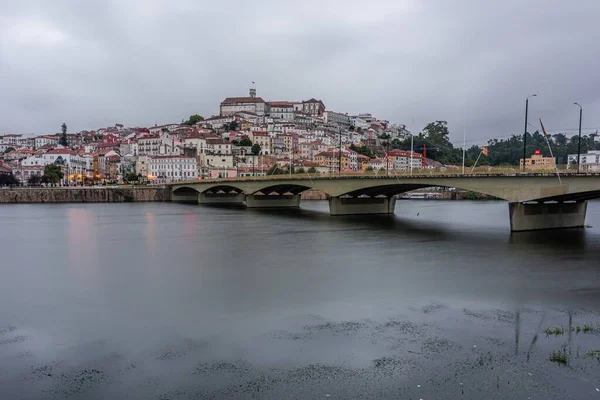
[95, 63]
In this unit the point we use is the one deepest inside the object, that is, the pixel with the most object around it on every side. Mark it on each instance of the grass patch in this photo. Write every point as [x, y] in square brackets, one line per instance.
[554, 331]
[559, 357]
[594, 353]
[587, 328]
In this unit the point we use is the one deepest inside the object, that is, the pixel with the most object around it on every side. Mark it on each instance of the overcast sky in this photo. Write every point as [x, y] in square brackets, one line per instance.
[96, 63]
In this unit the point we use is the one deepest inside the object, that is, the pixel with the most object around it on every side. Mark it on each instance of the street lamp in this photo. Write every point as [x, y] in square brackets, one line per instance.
[579, 142]
[525, 133]
[340, 154]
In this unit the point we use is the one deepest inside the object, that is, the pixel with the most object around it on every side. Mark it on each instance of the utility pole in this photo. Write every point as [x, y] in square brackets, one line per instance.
[579, 142]
[340, 154]
[412, 147]
[464, 145]
[525, 133]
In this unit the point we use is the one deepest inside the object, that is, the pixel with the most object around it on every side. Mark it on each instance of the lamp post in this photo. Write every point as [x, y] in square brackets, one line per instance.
[579, 142]
[525, 133]
[340, 154]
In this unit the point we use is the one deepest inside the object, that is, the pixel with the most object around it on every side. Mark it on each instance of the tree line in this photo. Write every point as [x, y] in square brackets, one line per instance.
[501, 152]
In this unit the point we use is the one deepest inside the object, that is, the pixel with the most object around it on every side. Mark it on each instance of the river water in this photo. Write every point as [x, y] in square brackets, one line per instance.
[171, 301]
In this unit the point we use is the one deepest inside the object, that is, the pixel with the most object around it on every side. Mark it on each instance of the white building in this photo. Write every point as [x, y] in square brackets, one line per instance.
[233, 105]
[308, 150]
[334, 118]
[401, 160]
[40, 141]
[12, 139]
[165, 169]
[217, 122]
[158, 144]
[282, 110]
[313, 107]
[263, 139]
[358, 122]
[218, 146]
[75, 163]
[217, 161]
[589, 162]
[33, 160]
[163, 128]
[250, 117]
[141, 166]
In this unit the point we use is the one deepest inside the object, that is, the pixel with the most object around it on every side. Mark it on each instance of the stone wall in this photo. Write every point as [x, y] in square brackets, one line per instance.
[84, 195]
[313, 194]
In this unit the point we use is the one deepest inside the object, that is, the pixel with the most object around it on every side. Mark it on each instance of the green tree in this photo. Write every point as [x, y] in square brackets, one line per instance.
[396, 144]
[8, 179]
[52, 173]
[131, 177]
[369, 168]
[245, 142]
[300, 170]
[256, 151]
[437, 132]
[8, 150]
[364, 150]
[231, 126]
[312, 170]
[63, 137]
[34, 180]
[385, 142]
[194, 119]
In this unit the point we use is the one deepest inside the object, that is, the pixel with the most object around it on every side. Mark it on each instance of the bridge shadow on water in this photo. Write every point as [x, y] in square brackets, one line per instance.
[563, 240]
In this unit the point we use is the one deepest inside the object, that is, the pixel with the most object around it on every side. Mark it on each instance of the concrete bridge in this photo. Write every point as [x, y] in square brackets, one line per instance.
[536, 201]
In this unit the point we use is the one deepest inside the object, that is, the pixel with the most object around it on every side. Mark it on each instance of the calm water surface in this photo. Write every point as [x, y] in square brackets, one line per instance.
[173, 301]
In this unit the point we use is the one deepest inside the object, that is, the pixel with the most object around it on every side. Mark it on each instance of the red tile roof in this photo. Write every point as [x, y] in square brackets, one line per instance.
[234, 100]
[400, 153]
[216, 141]
[61, 151]
[172, 156]
[281, 104]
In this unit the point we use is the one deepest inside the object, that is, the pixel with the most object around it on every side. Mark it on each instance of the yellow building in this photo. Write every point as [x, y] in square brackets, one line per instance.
[539, 162]
[330, 159]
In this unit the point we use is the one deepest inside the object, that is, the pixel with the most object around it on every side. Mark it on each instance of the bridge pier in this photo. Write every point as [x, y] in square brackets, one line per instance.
[185, 197]
[273, 201]
[531, 217]
[359, 205]
[221, 198]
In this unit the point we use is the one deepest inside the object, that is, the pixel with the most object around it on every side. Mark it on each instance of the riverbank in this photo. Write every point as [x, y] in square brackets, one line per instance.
[120, 194]
[85, 195]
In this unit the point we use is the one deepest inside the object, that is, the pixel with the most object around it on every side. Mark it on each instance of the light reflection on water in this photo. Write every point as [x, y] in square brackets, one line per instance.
[254, 284]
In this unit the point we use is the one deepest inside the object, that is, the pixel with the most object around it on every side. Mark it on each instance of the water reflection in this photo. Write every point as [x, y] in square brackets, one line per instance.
[440, 286]
[81, 245]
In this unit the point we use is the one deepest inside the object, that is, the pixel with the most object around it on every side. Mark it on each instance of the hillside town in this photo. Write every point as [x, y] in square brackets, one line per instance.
[249, 137]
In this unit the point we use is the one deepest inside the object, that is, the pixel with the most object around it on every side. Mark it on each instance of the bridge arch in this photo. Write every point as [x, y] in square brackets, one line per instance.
[185, 190]
[222, 189]
[573, 196]
[390, 190]
[283, 188]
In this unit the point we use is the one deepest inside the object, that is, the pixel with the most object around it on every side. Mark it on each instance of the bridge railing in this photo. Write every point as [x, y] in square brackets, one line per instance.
[483, 171]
